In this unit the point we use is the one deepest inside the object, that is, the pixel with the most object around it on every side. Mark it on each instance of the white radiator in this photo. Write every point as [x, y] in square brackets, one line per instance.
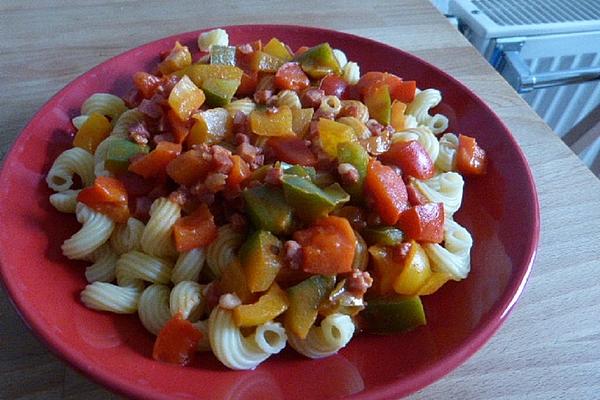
[548, 50]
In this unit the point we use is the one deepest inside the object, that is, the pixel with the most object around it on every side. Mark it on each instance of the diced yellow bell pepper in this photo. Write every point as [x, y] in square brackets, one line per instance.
[435, 281]
[301, 118]
[93, 131]
[332, 134]
[397, 118]
[210, 127]
[266, 123]
[277, 49]
[264, 62]
[185, 98]
[271, 304]
[379, 103]
[180, 57]
[386, 269]
[198, 73]
[233, 280]
[415, 272]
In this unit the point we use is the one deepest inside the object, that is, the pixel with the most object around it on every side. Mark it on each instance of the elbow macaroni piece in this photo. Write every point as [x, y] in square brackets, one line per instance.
[186, 298]
[351, 73]
[446, 160]
[79, 120]
[157, 237]
[108, 297]
[106, 104]
[216, 37]
[153, 308]
[103, 268]
[423, 135]
[422, 103]
[244, 105]
[138, 265]
[222, 251]
[188, 266]
[446, 187]
[331, 104]
[288, 98]
[75, 161]
[454, 258]
[361, 112]
[335, 332]
[94, 232]
[126, 120]
[438, 123]
[66, 201]
[237, 351]
[127, 237]
[341, 58]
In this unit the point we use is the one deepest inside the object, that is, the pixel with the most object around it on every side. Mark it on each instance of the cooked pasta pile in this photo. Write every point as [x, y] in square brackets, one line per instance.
[260, 196]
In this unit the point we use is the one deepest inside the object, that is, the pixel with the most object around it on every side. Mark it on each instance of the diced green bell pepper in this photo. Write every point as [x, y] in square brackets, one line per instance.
[310, 201]
[319, 61]
[120, 152]
[222, 55]
[304, 300]
[261, 258]
[357, 156]
[268, 210]
[393, 314]
[298, 170]
[384, 236]
[219, 92]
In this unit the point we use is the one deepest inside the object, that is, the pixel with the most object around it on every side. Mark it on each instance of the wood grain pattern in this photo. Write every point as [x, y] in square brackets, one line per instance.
[550, 345]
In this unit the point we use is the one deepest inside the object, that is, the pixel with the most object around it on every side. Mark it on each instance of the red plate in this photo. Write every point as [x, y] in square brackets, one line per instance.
[500, 209]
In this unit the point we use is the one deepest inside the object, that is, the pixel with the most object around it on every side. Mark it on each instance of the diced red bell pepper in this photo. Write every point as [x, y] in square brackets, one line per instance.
[403, 91]
[188, 168]
[155, 162]
[470, 158]
[424, 223]
[328, 246]
[290, 76]
[240, 170]
[107, 196]
[387, 190]
[177, 341]
[146, 83]
[411, 157]
[247, 84]
[195, 230]
[292, 150]
[334, 85]
[373, 78]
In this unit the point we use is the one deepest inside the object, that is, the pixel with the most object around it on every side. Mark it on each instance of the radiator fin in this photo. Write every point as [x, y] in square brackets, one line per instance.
[519, 12]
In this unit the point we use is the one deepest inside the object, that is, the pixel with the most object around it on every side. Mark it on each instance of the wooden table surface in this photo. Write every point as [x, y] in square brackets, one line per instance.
[550, 345]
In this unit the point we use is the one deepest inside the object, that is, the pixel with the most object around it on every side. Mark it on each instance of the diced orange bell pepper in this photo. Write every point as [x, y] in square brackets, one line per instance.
[271, 304]
[179, 57]
[328, 246]
[210, 127]
[332, 134]
[267, 123]
[180, 129]
[195, 230]
[411, 157]
[415, 271]
[424, 223]
[155, 163]
[248, 84]
[177, 341]
[107, 196]
[93, 131]
[470, 158]
[387, 190]
[378, 101]
[387, 263]
[233, 280]
[434, 283]
[188, 168]
[397, 117]
[240, 171]
[292, 150]
[185, 98]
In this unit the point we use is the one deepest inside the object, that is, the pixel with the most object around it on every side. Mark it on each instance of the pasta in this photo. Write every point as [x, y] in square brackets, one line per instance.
[223, 250]
[237, 351]
[303, 186]
[95, 231]
[71, 162]
[153, 308]
[335, 332]
[156, 238]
